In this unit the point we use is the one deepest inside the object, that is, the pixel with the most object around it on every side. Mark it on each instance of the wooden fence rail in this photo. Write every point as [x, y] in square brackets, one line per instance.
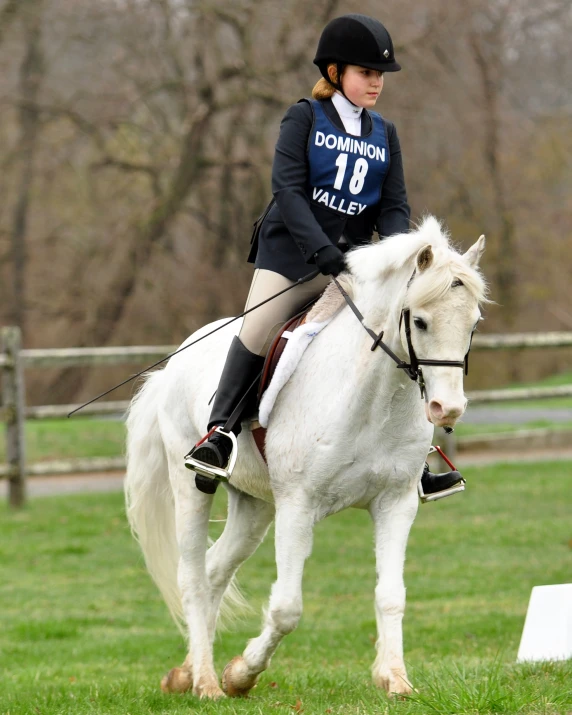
[14, 361]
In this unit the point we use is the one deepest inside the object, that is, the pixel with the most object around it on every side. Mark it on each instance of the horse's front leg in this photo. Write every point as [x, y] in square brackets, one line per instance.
[392, 521]
[294, 536]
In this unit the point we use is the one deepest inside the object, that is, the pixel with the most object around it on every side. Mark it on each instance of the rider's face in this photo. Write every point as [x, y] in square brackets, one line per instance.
[362, 86]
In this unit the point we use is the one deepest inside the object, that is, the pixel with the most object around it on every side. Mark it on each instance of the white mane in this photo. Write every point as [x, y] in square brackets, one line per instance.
[398, 253]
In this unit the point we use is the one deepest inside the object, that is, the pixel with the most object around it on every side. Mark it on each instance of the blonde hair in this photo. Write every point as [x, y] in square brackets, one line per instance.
[323, 89]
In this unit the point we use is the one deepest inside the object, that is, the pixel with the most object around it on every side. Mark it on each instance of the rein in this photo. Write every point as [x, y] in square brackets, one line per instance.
[377, 339]
[411, 368]
[304, 279]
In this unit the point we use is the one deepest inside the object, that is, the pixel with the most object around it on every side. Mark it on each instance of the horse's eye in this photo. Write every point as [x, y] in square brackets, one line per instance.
[420, 323]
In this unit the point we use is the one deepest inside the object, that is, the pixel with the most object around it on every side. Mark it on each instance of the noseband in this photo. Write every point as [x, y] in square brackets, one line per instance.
[411, 368]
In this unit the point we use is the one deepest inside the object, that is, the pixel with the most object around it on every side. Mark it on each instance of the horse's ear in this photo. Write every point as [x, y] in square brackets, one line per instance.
[473, 255]
[424, 258]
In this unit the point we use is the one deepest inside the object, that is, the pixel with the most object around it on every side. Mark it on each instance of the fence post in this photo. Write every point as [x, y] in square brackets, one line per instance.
[13, 403]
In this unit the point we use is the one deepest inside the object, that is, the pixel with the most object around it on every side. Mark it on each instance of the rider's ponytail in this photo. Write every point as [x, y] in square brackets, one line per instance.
[324, 89]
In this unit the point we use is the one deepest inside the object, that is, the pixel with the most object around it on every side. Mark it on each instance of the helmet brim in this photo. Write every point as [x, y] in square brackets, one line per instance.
[381, 66]
[390, 66]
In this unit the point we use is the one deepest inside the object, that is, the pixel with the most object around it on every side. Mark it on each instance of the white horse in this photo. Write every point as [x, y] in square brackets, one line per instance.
[347, 430]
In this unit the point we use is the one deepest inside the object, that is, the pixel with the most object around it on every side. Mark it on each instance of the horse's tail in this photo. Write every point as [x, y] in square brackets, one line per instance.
[151, 507]
[148, 494]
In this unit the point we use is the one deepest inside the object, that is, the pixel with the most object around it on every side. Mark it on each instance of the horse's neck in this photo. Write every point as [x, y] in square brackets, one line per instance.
[381, 306]
[372, 375]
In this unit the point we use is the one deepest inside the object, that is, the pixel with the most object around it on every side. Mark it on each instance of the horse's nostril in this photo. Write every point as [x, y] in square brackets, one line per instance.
[440, 410]
[436, 408]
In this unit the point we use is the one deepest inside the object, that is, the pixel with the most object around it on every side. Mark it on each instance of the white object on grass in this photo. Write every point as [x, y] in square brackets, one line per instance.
[547, 633]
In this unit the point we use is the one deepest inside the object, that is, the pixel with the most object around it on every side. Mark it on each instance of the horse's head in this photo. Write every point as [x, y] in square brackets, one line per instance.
[443, 297]
[436, 293]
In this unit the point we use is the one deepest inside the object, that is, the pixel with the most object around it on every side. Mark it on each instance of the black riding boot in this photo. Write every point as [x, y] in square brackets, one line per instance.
[240, 370]
[432, 484]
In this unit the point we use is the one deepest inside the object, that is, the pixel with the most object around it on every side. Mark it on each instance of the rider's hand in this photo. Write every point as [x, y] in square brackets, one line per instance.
[330, 260]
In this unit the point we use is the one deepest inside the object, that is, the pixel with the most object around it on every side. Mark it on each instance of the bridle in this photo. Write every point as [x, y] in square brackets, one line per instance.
[411, 368]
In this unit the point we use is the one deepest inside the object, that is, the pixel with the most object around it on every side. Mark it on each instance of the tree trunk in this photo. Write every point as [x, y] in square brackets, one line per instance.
[505, 257]
[31, 74]
[114, 300]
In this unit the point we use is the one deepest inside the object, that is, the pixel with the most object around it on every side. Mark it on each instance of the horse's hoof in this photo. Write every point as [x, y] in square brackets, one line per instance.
[209, 692]
[177, 680]
[394, 683]
[236, 680]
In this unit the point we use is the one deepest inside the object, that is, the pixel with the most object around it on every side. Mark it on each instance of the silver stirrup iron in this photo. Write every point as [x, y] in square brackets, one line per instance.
[207, 470]
[446, 492]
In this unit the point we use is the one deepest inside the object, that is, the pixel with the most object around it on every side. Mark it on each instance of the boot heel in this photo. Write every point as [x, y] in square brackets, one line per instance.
[209, 471]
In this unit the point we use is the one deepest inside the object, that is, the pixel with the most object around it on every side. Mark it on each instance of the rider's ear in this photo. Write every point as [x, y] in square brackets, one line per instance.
[424, 258]
[473, 255]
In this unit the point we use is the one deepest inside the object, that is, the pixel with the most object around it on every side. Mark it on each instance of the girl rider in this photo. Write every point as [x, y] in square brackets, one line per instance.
[337, 176]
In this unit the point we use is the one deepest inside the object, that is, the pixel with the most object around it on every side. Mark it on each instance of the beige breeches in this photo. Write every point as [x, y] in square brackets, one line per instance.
[257, 329]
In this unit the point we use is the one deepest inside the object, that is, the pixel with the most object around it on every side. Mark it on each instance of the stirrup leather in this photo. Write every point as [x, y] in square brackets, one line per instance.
[208, 470]
[460, 487]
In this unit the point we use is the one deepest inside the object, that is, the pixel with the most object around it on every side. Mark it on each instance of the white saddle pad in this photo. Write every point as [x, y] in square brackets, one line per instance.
[298, 341]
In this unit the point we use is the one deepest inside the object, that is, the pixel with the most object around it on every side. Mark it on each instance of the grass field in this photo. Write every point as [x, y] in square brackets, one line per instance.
[468, 430]
[84, 631]
[66, 439]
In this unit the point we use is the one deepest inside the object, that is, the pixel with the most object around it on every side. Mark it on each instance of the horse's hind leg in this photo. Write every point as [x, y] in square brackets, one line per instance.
[192, 511]
[247, 522]
[246, 525]
[294, 536]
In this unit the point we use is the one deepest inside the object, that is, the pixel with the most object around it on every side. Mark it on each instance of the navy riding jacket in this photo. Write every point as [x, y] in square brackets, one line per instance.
[294, 227]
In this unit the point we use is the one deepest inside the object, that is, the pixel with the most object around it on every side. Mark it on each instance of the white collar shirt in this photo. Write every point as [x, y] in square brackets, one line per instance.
[349, 114]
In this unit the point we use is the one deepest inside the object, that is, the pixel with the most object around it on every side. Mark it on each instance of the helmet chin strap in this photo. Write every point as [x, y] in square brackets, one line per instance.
[338, 85]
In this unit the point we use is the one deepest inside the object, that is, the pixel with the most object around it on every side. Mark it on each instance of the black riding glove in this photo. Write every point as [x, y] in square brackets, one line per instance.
[330, 260]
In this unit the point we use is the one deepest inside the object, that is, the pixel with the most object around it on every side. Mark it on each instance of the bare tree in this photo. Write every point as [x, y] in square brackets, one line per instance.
[137, 138]
[31, 74]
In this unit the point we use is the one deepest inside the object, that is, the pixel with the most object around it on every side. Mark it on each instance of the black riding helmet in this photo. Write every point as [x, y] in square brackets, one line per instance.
[355, 40]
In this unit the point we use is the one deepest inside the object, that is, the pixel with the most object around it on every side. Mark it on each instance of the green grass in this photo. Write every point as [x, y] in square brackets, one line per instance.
[544, 403]
[53, 439]
[84, 631]
[564, 378]
[67, 438]
[468, 430]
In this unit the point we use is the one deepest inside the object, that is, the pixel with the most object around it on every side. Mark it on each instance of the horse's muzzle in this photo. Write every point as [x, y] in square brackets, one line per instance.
[444, 413]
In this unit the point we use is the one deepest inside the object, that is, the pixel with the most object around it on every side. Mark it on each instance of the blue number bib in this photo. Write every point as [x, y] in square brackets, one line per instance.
[346, 172]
